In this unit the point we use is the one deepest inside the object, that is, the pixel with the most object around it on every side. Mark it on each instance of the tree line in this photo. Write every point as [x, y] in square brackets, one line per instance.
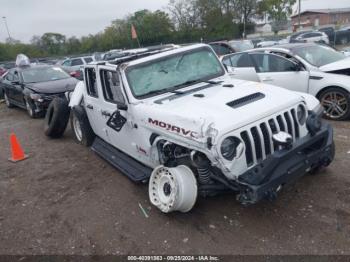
[184, 21]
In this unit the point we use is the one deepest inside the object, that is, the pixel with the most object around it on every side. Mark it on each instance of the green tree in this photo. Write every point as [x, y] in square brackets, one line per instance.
[53, 43]
[278, 11]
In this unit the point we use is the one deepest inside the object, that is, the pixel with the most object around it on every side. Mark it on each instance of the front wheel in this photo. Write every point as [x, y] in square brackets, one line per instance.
[173, 189]
[30, 109]
[336, 103]
[7, 101]
[81, 127]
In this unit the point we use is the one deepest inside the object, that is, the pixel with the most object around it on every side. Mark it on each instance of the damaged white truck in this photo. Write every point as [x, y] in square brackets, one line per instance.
[177, 119]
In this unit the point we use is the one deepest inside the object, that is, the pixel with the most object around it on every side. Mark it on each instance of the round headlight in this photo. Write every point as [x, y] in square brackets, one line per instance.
[229, 147]
[301, 114]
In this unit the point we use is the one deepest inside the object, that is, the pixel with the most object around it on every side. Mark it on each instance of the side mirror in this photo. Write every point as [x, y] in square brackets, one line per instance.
[122, 107]
[230, 69]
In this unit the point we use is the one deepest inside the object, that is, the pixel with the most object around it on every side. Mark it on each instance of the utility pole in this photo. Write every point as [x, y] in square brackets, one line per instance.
[7, 28]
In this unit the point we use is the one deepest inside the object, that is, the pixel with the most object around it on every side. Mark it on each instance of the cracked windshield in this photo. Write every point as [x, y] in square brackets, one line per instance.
[173, 72]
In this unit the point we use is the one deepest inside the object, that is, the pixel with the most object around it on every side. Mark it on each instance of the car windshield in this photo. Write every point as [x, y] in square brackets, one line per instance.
[43, 74]
[241, 45]
[173, 72]
[318, 55]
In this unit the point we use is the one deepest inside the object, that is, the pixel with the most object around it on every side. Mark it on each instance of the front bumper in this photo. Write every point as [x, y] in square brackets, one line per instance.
[286, 166]
[43, 103]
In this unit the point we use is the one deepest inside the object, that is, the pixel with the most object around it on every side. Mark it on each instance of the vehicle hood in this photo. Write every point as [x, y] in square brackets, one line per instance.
[194, 116]
[53, 87]
[339, 65]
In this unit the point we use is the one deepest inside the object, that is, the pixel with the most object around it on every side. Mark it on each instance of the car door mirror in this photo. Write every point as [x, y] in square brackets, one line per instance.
[230, 69]
[122, 107]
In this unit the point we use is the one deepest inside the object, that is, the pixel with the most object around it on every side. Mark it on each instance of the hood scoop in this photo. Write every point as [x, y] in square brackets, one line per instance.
[246, 100]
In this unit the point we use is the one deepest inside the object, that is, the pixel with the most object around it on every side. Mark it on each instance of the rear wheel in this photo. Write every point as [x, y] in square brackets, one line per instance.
[336, 103]
[7, 101]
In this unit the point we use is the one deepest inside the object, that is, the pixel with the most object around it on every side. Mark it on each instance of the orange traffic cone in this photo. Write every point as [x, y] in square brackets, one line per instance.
[17, 151]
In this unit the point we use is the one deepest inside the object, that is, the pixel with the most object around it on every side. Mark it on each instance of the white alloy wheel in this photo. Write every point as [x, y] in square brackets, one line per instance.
[173, 189]
[77, 128]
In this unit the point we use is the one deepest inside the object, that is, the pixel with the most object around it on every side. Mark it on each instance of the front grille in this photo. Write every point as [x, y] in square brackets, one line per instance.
[258, 139]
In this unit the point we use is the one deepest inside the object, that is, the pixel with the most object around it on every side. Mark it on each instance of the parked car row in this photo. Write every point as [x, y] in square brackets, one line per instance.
[310, 68]
[33, 87]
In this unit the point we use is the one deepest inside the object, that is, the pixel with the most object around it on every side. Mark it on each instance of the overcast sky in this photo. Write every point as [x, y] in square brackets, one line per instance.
[26, 18]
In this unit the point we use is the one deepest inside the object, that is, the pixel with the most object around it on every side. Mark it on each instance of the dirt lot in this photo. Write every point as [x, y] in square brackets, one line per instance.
[66, 200]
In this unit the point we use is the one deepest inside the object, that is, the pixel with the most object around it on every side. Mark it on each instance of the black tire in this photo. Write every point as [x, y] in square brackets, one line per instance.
[7, 101]
[85, 136]
[333, 100]
[57, 117]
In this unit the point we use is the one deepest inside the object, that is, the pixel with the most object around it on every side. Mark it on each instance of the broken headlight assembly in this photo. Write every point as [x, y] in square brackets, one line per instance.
[231, 148]
[36, 97]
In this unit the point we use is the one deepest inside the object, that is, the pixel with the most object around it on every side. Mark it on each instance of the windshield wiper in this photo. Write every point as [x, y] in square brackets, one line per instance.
[187, 83]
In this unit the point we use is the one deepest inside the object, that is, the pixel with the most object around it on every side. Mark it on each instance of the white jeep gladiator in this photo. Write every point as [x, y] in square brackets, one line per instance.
[177, 119]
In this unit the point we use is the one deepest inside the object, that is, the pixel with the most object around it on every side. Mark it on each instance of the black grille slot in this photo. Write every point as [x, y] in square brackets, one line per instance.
[289, 123]
[248, 148]
[258, 139]
[273, 126]
[257, 143]
[266, 136]
[246, 100]
[281, 124]
[296, 124]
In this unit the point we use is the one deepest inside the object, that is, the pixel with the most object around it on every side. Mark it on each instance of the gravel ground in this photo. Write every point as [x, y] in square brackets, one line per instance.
[64, 199]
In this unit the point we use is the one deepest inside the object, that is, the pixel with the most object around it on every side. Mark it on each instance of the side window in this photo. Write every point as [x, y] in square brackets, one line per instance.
[77, 62]
[261, 63]
[224, 50]
[215, 47]
[67, 63]
[280, 64]
[112, 90]
[241, 60]
[9, 76]
[271, 63]
[88, 60]
[90, 80]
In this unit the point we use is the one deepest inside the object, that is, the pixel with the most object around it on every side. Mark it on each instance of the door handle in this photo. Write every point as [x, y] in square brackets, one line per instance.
[105, 113]
[89, 107]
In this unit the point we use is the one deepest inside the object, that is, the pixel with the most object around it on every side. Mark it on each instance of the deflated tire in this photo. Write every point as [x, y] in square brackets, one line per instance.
[57, 117]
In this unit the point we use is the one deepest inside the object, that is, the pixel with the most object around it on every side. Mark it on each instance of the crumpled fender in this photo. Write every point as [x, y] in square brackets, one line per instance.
[311, 101]
[77, 95]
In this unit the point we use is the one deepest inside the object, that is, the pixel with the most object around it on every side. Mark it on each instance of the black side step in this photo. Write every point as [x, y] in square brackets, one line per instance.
[133, 169]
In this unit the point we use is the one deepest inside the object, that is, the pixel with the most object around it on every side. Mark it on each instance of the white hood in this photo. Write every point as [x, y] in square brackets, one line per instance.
[196, 114]
[339, 65]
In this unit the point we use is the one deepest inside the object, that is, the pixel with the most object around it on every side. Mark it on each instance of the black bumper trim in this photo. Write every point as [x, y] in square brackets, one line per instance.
[286, 166]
